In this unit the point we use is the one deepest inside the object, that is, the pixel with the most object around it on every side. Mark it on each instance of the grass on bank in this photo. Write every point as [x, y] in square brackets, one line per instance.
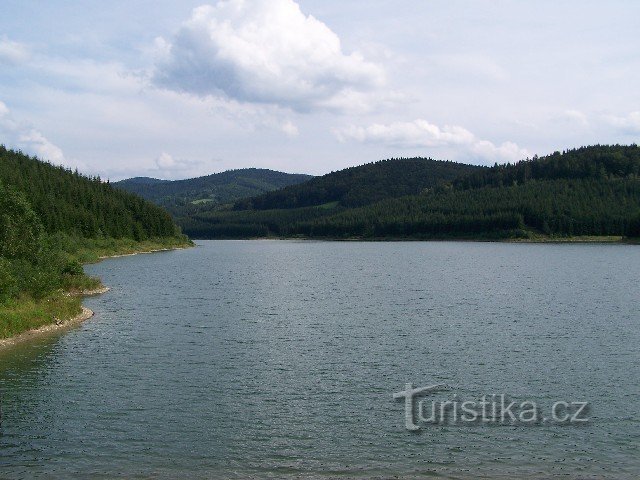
[25, 312]
[92, 250]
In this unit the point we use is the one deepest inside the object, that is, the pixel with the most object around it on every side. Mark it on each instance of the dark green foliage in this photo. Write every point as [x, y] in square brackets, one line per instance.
[194, 195]
[251, 223]
[555, 207]
[8, 283]
[72, 203]
[362, 185]
[593, 191]
[26, 263]
[21, 233]
[597, 162]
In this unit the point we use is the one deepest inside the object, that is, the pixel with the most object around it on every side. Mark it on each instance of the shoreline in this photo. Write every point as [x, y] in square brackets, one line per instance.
[45, 330]
[145, 252]
[85, 314]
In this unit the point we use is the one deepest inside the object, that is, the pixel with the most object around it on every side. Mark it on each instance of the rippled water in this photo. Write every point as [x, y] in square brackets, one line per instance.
[278, 359]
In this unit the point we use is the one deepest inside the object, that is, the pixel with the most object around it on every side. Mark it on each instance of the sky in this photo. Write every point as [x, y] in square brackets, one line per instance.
[176, 89]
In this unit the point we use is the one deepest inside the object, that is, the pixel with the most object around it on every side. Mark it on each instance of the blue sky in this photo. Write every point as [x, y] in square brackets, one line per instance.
[174, 89]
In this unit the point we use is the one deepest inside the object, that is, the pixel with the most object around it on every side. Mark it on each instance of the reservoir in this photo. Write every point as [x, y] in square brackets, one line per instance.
[280, 359]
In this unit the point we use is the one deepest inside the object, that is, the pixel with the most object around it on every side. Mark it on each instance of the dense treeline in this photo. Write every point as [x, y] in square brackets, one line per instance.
[251, 223]
[554, 207]
[194, 195]
[69, 202]
[362, 185]
[598, 162]
[587, 191]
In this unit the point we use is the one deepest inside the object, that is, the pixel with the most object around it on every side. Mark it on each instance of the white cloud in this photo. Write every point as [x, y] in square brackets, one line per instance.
[577, 117]
[350, 101]
[21, 135]
[12, 53]
[32, 140]
[168, 167]
[420, 134]
[263, 51]
[629, 123]
[505, 152]
[165, 161]
[290, 129]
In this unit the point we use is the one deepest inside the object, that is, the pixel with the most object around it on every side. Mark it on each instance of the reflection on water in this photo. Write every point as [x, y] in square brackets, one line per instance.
[279, 359]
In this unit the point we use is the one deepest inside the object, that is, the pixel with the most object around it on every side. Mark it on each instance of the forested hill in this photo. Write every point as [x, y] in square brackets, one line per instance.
[362, 185]
[51, 220]
[69, 202]
[184, 196]
[589, 191]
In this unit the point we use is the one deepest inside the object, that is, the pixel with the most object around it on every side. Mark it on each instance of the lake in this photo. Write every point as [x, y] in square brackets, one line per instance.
[279, 359]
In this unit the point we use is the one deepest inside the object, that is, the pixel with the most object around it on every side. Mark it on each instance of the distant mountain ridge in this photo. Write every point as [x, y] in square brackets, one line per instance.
[588, 191]
[329, 194]
[363, 184]
[142, 181]
[182, 197]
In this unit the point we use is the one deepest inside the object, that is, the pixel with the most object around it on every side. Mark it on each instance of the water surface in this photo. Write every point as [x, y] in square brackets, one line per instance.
[278, 359]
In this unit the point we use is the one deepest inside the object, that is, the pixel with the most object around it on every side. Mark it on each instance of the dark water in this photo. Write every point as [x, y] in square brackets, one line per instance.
[278, 359]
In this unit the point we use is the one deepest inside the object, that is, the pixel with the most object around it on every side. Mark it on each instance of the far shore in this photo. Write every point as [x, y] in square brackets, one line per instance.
[541, 239]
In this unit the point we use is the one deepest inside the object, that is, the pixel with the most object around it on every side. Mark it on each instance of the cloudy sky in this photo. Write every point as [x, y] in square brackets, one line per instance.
[181, 88]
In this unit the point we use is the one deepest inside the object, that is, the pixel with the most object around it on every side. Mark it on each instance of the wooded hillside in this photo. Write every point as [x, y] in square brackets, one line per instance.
[589, 191]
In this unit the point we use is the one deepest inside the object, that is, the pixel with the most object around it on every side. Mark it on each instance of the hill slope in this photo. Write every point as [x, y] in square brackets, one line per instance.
[183, 196]
[587, 191]
[137, 182]
[325, 195]
[77, 205]
[362, 185]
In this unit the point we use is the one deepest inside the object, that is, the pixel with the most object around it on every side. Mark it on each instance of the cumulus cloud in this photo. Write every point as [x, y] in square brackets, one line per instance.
[576, 117]
[12, 53]
[289, 129]
[505, 152]
[263, 51]
[168, 167]
[165, 161]
[25, 137]
[33, 141]
[629, 123]
[250, 117]
[420, 134]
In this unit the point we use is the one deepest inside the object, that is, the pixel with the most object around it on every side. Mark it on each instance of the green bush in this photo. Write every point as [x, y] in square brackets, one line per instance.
[72, 268]
[35, 279]
[21, 232]
[8, 283]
